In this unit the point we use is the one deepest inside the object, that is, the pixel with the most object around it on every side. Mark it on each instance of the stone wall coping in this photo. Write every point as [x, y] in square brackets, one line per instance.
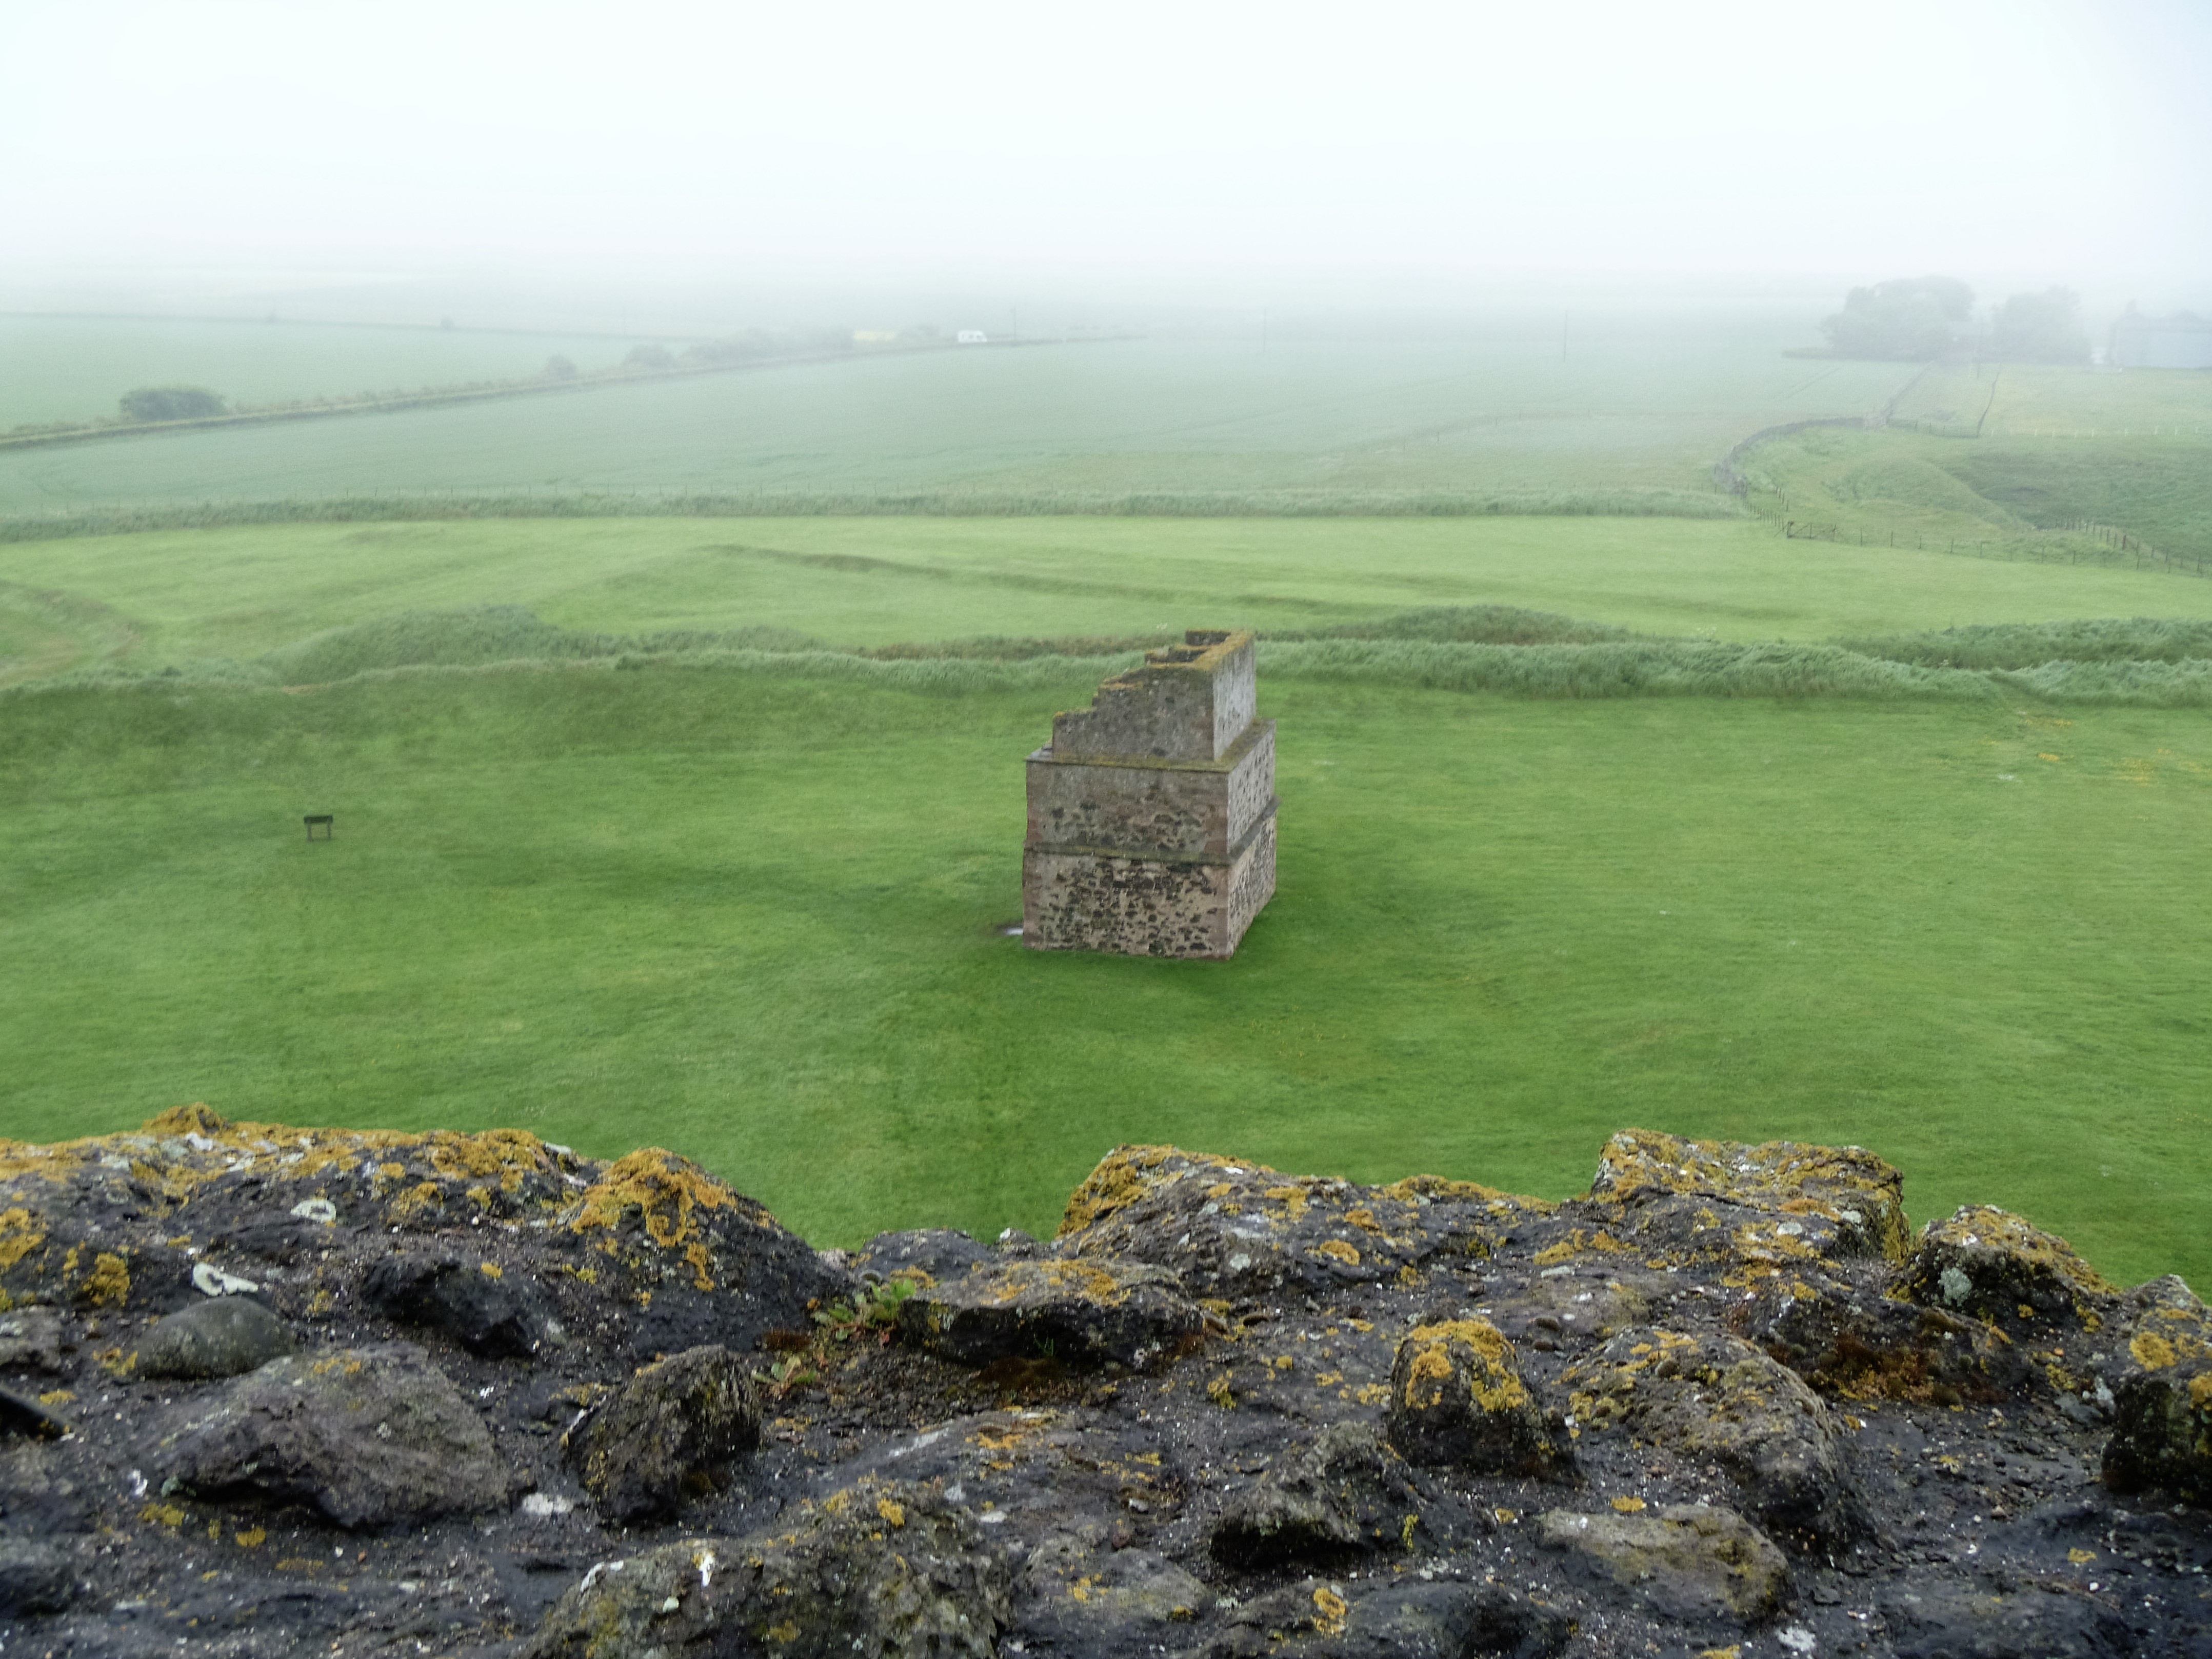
[1229, 760]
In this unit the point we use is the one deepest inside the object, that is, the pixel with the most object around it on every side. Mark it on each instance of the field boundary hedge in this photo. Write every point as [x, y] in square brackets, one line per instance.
[119, 520]
[1496, 649]
[50, 433]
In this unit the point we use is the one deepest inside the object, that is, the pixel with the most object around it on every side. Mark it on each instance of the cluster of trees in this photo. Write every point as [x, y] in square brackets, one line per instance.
[751, 346]
[1912, 318]
[172, 403]
[145, 404]
[2040, 328]
[1916, 318]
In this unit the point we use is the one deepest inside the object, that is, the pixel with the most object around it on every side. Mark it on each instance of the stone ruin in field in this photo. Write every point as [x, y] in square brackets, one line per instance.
[1151, 813]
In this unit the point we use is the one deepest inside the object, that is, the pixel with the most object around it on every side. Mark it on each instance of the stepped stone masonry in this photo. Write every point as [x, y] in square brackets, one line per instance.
[1151, 813]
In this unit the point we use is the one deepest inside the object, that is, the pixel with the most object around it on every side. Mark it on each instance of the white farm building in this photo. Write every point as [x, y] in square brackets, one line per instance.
[2181, 341]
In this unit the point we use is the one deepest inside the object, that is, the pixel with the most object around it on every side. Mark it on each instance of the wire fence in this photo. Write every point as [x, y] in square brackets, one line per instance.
[2079, 541]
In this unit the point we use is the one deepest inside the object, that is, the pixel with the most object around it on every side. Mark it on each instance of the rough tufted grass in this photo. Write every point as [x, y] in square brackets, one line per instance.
[750, 917]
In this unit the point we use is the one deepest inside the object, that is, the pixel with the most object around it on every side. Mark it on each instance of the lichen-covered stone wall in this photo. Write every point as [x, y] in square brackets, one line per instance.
[268, 1390]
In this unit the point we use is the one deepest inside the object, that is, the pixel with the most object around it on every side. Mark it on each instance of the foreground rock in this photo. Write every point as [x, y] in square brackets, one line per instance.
[1341, 1496]
[223, 1337]
[371, 1437]
[889, 1572]
[668, 1433]
[477, 1303]
[1695, 1563]
[1231, 1228]
[36, 1577]
[30, 1340]
[1728, 1398]
[1778, 1202]
[1456, 1398]
[1993, 1267]
[1721, 1401]
[1086, 1311]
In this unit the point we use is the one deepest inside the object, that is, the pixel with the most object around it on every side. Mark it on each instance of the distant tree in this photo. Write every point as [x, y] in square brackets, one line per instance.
[1912, 318]
[648, 357]
[2040, 328]
[560, 368]
[171, 403]
[719, 353]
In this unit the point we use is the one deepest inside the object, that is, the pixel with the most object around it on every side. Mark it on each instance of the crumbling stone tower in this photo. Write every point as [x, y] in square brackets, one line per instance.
[1152, 812]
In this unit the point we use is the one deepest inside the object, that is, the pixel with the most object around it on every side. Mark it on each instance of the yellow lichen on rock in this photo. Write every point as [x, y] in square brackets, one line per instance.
[1292, 1198]
[196, 1118]
[1844, 1185]
[108, 1283]
[665, 1190]
[20, 1235]
[1991, 1264]
[1494, 1382]
[1127, 1173]
[1330, 1611]
[1440, 1189]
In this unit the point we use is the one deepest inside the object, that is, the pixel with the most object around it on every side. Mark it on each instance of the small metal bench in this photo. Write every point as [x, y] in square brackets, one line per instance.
[322, 821]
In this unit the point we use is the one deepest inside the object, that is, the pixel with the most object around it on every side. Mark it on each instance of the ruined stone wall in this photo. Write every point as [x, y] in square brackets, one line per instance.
[1151, 812]
[1189, 702]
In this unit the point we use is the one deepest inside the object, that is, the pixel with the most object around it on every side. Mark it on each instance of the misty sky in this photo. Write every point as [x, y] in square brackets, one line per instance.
[2041, 141]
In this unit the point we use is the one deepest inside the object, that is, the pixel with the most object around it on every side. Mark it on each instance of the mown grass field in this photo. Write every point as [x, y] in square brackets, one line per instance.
[55, 369]
[1636, 403]
[751, 916]
[151, 601]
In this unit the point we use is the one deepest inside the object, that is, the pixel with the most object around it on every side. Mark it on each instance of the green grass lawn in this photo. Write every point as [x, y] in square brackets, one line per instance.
[1638, 404]
[752, 917]
[155, 600]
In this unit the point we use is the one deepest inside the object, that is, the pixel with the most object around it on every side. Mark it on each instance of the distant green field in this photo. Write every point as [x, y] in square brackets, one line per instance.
[159, 600]
[1636, 403]
[751, 916]
[54, 368]
[2021, 400]
[2131, 452]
